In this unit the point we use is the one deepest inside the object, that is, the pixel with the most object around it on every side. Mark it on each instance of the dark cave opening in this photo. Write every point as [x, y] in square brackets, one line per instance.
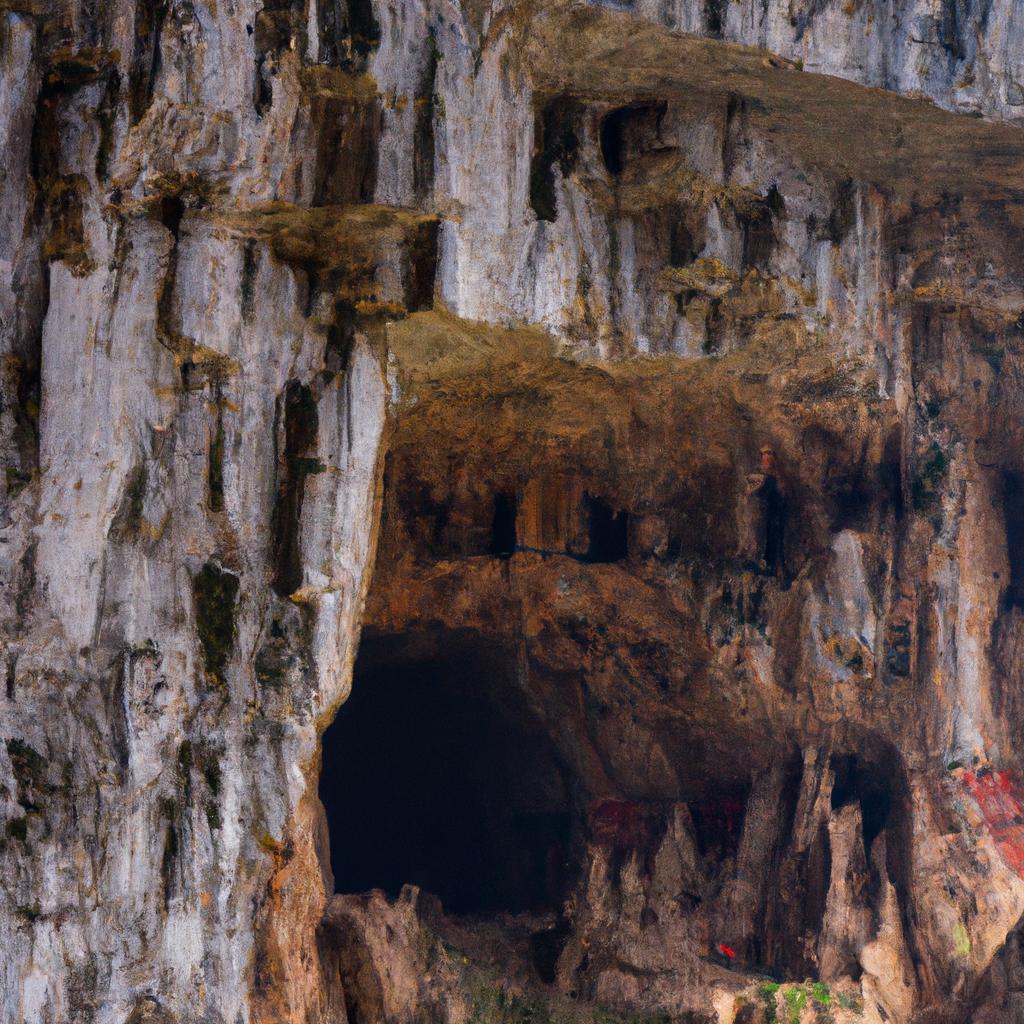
[422, 271]
[555, 142]
[863, 783]
[629, 131]
[714, 11]
[172, 209]
[503, 526]
[876, 778]
[437, 773]
[685, 240]
[363, 27]
[759, 230]
[296, 437]
[607, 531]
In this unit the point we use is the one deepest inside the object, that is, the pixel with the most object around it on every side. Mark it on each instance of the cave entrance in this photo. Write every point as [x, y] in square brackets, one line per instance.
[630, 131]
[607, 532]
[436, 772]
[503, 527]
[860, 781]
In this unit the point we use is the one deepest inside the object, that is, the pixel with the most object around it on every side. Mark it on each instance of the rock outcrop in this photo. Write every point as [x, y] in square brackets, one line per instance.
[622, 401]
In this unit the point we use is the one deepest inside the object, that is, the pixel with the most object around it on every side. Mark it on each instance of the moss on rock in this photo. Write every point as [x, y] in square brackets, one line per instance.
[214, 594]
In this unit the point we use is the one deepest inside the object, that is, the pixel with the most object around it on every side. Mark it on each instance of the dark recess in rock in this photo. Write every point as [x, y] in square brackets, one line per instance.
[686, 237]
[331, 15]
[856, 782]
[296, 461]
[362, 26]
[106, 120]
[629, 131]
[608, 532]
[436, 773]
[422, 270]
[718, 823]
[215, 461]
[341, 336]
[554, 142]
[128, 519]
[547, 946]
[503, 530]
[714, 11]
[759, 231]
[170, 211]
[146, 59]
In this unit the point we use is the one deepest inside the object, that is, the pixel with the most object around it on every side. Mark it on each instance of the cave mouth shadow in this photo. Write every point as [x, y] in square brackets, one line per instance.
[437, 773]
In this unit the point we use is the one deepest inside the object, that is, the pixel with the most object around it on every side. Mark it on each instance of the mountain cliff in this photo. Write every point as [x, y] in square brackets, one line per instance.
[512, 512]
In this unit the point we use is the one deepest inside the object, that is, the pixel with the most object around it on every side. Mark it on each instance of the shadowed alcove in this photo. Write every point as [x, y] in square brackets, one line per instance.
[436, 772]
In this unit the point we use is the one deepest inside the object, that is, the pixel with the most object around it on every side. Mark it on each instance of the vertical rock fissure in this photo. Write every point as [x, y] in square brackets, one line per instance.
[296, 461]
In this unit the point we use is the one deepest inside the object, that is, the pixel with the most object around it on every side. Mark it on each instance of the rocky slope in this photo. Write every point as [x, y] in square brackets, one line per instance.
[636, 387]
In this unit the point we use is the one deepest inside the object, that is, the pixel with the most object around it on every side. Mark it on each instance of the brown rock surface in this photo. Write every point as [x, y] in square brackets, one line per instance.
[511, 512]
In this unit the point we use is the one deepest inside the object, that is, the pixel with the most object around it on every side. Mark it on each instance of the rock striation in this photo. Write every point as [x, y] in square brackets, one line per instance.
[511, 512]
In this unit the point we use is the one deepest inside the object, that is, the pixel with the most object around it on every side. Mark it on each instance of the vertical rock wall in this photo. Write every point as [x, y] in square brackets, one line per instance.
[209, 211]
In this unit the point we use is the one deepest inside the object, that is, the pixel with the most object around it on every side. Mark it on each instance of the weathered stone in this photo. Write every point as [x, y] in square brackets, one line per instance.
[498, 304]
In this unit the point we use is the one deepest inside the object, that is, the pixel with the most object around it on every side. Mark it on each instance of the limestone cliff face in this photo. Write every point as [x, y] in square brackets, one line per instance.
[453, 334]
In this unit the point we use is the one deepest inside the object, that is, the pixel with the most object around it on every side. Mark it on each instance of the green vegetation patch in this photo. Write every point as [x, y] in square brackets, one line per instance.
[928, 478]
[796, 1000]
[214, 594]
[493, 1004]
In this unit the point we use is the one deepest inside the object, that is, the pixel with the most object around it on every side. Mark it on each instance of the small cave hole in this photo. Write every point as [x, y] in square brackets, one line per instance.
[215, 461]
[629, 130]
[341, 338]
[890, 472]
[146, 60]
[555, 142]
[852, 501]
[363, 27]
[422, 269]
[503, 528]
[297, 408]
[437, 773]
[546, 947]
[857, 781]
[683, 247]
[843, 214]
[608, 532]
[713, 17]
[172, 210]
[759, 231]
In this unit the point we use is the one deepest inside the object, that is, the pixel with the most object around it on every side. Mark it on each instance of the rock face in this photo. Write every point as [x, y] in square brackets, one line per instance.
[637, 387]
